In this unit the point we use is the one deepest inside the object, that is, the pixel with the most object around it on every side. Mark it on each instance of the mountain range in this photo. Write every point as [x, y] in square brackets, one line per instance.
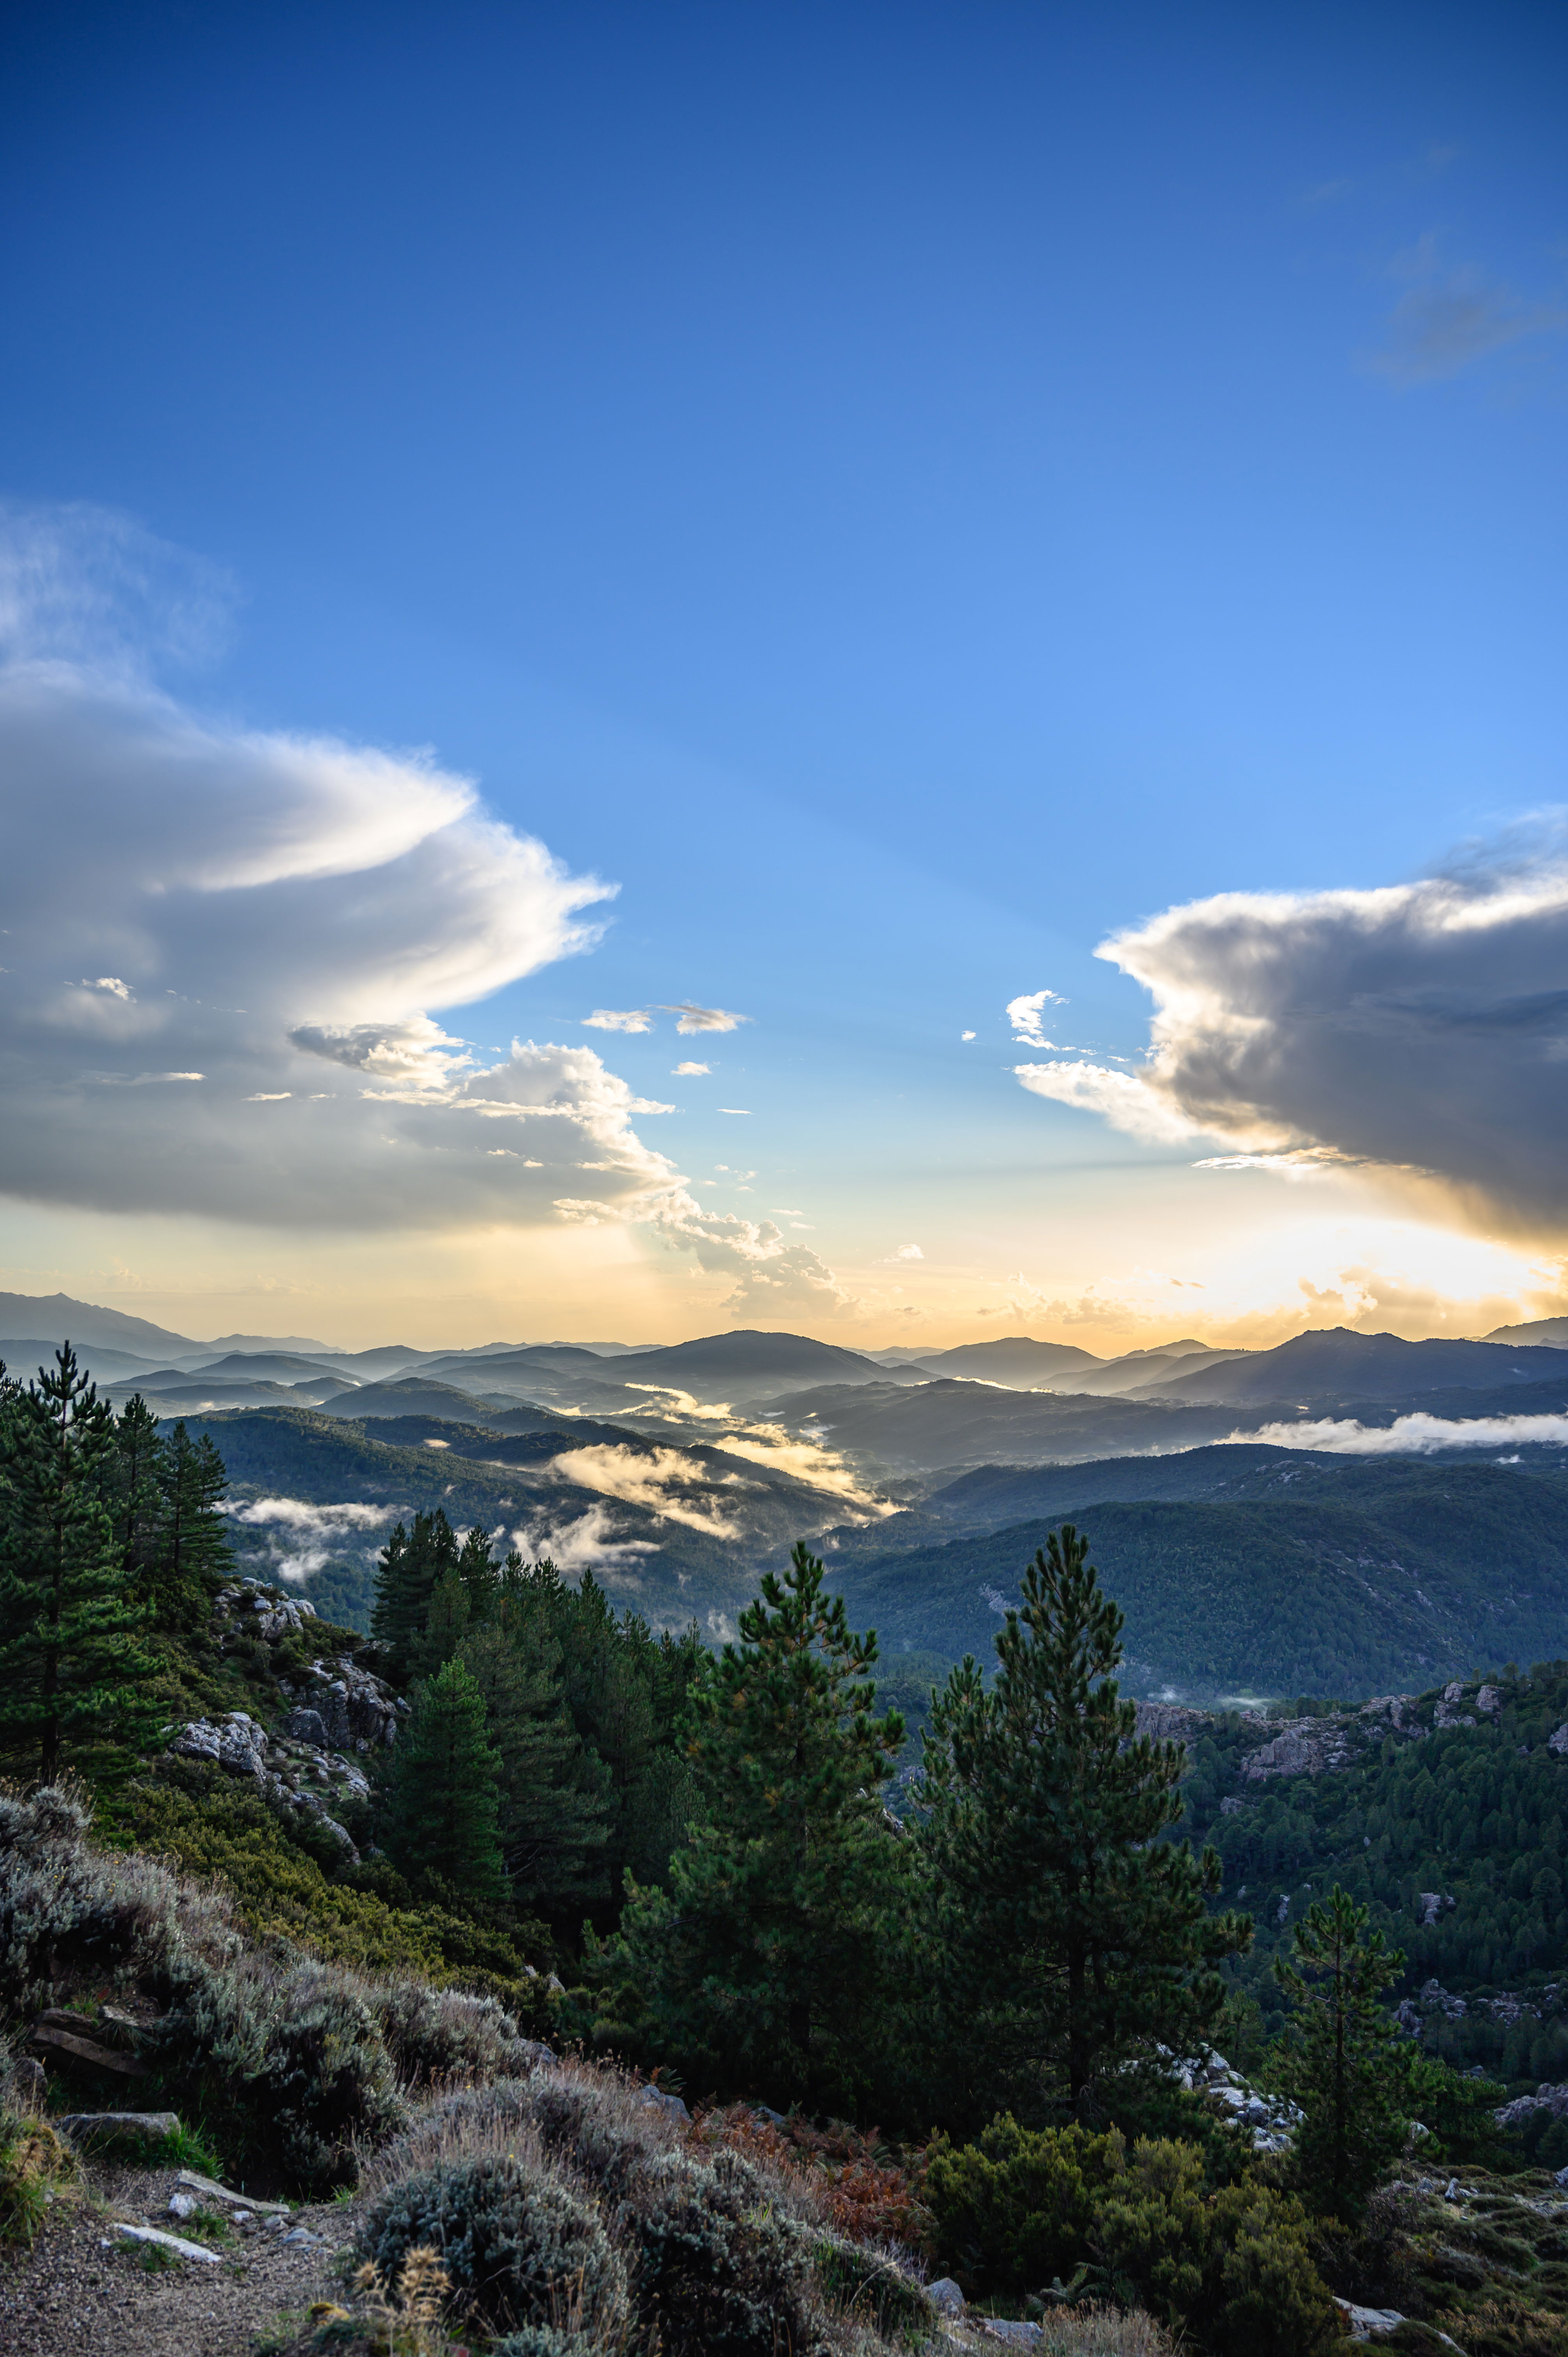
[676, 1474]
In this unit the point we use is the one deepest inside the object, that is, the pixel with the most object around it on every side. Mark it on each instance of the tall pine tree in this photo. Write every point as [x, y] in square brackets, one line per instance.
[71, 1659]
[1074, 1932]
[443, 1794]
[190, 1554]
[412, 1565]
[770, 1964]
[1343, 2059]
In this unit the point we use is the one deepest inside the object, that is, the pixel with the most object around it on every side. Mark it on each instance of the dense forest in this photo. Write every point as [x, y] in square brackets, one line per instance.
[742, 1869]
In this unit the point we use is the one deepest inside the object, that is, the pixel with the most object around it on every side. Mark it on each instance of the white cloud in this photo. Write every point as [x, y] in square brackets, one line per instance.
[663, 1481]
[966, 1034]
[80, 584]
[744, 1111]
[1421, 1029]
[1413, 1435]
[587, 1544]
[1025, 1017]
[607, 1018]
[772, 1275]
[272, 920]
[903, 1252]
[703, 1018]
[302, 1538]
[690, 1071]
[1127, 1103]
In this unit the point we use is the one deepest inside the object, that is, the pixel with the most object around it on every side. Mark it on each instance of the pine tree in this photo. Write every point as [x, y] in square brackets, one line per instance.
[478, 1571]
[772, 1962]
[1343, 2060]
[135, 1493]
[555, 1793]
[1074, 1932]
[412, 1565]
[443, 1796]
[190, 1554]
[71, 1659]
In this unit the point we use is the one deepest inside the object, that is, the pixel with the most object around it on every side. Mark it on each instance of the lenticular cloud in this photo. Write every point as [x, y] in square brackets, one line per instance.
[222, 952]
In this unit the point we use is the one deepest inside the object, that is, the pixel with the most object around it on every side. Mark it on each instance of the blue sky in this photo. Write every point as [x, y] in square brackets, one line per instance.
[905, 492]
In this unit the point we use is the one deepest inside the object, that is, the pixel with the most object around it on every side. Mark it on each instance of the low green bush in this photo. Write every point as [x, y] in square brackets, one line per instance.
[517, 2244]
[1012, 2211]
[1233, 2267]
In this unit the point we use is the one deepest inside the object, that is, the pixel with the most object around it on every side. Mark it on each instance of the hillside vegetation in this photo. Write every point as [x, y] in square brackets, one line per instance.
[1430, 1571]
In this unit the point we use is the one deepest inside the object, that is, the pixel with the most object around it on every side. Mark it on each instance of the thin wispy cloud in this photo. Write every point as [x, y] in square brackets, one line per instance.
[610, 1018]
[703, 1018]
[1453, 316]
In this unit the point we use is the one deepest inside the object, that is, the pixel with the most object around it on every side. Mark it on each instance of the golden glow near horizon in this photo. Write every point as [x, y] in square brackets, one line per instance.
[1238, 1259]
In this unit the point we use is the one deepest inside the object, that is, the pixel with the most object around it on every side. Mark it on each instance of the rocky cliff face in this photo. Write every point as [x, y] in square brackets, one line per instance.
[331, 1716]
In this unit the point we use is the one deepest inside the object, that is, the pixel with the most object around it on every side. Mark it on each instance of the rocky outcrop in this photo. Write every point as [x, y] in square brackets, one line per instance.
[250, 1611]
[354, 1709]
[300, 1777]
[1170, 1722]
[1306, 1747]
[1546, 2098]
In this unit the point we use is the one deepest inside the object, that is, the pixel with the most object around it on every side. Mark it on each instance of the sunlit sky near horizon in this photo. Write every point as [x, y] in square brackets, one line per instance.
[734, 548]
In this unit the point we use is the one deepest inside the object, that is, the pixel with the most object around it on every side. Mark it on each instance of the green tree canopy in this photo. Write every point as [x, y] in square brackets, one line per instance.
[1075, 1933]
[440, 1821]
[772, 1962]
[71, 1659]
[1343, 2060]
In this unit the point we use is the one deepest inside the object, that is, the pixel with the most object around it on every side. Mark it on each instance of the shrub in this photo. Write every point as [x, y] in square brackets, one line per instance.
[1234, 2266]
[717, 2274]
[433, 2034]
[1012, 2211]
[33, 2165]
[70, 1913]
[290, 2060]
[517, 2244]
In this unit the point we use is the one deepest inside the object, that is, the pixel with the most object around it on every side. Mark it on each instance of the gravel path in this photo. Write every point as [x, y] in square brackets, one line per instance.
[70, 2296]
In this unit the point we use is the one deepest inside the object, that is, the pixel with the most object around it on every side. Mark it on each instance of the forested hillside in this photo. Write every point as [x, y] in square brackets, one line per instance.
[1431, 1572]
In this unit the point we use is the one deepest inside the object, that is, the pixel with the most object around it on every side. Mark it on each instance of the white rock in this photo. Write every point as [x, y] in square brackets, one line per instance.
[175, 2243]
[183, 2205]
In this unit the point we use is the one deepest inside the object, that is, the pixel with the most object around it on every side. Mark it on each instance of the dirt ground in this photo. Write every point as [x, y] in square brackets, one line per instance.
[71, 2295]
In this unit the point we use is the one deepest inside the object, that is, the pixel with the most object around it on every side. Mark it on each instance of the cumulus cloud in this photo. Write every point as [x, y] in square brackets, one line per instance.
[690, 1071]
[224, 948]
[1414, 1435]
[1419, 1030]
[1027, 1016]
[772, 1275]
[609, 1018]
